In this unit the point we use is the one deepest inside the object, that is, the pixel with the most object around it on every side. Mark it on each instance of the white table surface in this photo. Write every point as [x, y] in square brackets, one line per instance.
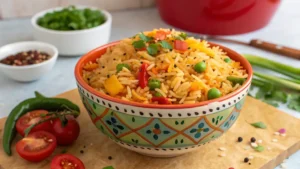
[283, 29]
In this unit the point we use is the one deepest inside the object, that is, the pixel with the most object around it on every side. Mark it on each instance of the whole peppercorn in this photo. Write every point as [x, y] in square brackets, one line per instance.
[246, 160]
[240, 139]
[252, 139]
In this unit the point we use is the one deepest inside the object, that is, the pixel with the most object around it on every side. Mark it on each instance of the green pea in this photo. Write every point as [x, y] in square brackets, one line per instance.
[121, 65]
[200, 67]
[213, 93]
[157, 94]
[227, 60]
[153, 83]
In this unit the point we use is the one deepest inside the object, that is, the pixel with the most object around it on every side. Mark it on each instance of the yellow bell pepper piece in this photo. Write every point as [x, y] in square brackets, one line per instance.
[191, 41]
[203, 49]
[113, 86]
[207, 51]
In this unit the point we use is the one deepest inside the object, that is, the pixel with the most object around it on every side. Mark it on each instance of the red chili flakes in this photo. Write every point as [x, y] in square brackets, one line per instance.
[26, 58]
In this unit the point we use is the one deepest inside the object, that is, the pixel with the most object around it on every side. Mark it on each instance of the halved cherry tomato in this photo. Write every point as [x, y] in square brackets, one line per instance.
[180, 45]
[36, 146]
[66, 161]
[31, 118]
[161, 35]
[67, 134]
[143, 76]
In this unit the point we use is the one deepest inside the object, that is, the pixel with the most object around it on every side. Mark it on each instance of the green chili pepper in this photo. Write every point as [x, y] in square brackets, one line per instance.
[39, 102]
[236, 80]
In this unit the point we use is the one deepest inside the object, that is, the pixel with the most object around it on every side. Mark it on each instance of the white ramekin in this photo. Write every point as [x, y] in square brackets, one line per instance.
[29, 72]
[72, 43]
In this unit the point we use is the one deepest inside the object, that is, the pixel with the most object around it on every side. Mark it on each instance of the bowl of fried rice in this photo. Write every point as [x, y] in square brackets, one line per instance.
[162, 93]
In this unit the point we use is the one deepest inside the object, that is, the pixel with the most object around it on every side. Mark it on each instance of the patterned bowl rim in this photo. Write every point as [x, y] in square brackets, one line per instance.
[98, 52]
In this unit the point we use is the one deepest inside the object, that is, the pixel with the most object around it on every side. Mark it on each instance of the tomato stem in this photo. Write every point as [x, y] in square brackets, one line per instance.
[53, 115]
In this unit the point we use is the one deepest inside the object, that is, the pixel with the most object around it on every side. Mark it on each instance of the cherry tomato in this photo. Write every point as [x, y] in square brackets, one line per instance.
[160, 35]
[180, 45]
[31, 118]
[36, 146]
[66, 161]
[67, 134]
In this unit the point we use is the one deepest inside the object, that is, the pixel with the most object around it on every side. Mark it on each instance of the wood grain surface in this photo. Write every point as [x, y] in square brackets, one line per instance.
[98, 147]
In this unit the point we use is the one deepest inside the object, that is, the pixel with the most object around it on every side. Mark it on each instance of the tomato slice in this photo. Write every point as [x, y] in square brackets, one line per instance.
[66, 161]
[36, 146]
[32, 118]
[161, 35]
[180, 45]
[67, 134]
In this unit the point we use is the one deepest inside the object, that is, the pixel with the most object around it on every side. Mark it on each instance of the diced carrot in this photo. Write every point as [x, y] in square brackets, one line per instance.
[165, 67]
[195, 86]
[90, 66]
[161, 35]
[155, 70]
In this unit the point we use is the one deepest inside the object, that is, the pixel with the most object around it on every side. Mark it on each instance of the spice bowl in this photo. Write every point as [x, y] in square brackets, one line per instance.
[32, 72]
[161, 130]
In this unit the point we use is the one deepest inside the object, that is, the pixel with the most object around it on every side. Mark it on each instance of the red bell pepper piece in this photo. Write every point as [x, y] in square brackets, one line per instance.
[180, 45]
[143, 75]
[160, 100]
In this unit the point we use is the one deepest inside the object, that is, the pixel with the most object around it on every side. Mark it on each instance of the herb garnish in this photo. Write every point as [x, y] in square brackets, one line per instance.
[259, 125]
[259, 148]
[139, 44]
[165, 44]
[109, 167]
[152, 49]
[145, 38]
[181, 36]
[71, 18]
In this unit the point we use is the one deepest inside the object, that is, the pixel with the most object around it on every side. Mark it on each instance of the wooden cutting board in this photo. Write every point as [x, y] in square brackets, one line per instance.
[98, 147]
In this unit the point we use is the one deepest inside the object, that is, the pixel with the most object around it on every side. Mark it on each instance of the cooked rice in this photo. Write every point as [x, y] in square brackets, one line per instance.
[175, 70]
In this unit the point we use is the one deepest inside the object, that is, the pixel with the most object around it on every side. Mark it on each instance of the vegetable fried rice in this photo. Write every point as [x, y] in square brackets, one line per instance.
[164, 66]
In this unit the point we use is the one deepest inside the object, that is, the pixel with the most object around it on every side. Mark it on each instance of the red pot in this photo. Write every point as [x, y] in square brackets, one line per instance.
[218, 17]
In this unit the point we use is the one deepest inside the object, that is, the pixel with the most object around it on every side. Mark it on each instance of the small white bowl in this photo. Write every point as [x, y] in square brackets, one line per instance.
[72, 43]
[29, 72]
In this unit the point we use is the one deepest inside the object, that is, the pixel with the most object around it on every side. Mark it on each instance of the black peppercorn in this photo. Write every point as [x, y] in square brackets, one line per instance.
[110, 157]
[252, 139]
[246, 160]
[81, 151]
[240, 139]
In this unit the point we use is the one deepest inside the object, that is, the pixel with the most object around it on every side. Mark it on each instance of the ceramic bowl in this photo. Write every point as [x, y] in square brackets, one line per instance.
[30, 72]
[73, 43]
[161, 130]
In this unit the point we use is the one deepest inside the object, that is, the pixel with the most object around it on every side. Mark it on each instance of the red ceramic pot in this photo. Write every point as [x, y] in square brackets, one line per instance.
[218, 17]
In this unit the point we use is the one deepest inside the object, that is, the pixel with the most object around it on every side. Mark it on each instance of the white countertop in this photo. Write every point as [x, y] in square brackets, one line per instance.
[283, 29]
